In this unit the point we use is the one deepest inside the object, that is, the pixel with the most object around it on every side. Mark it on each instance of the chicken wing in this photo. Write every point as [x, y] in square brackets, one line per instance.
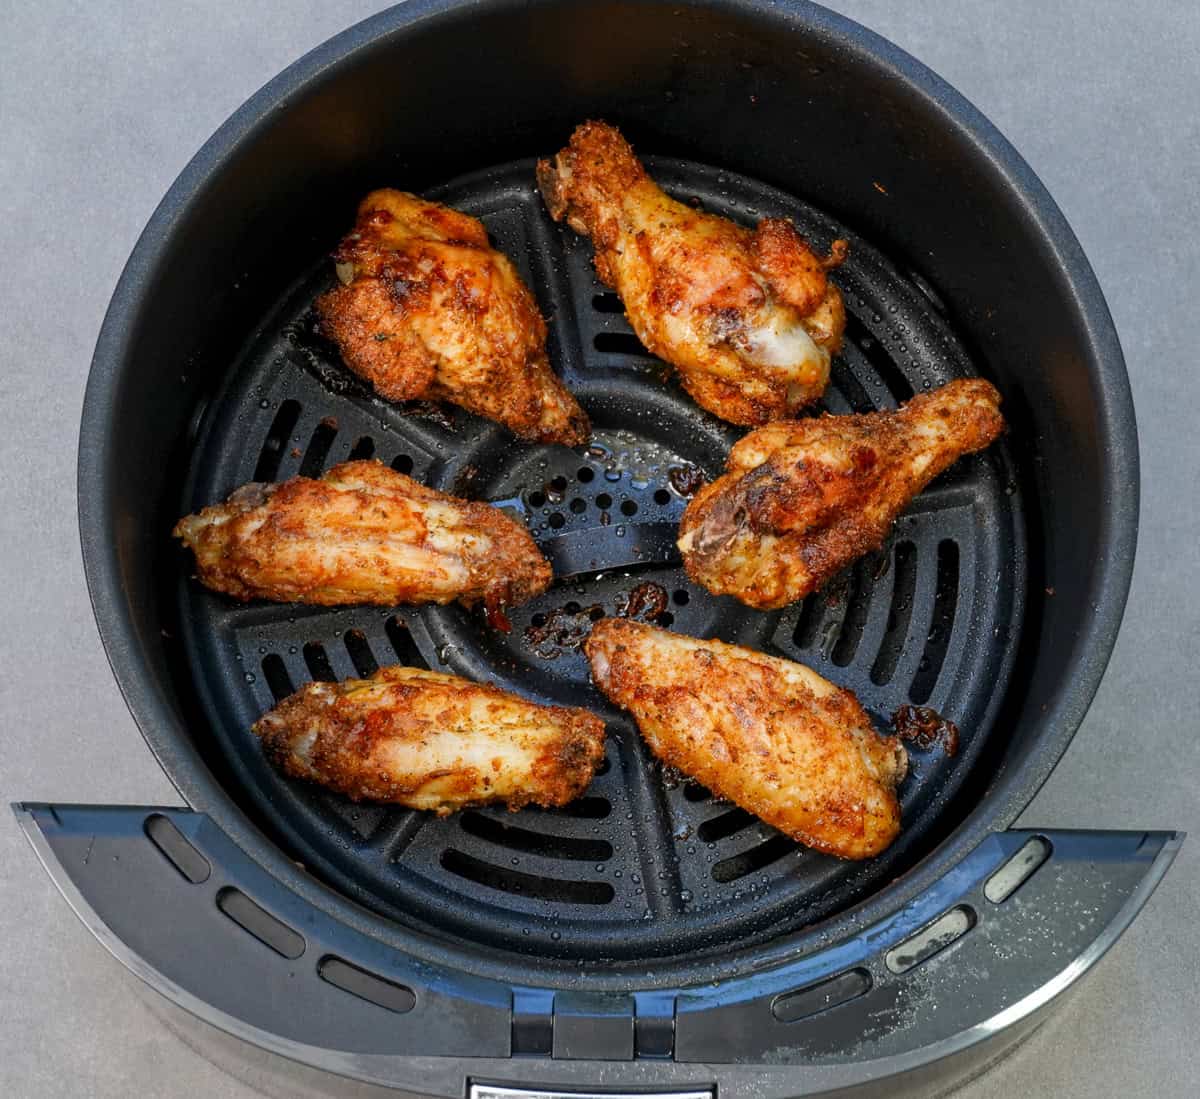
[770, 735]
[363, 534]
[428, 309]
[432, 741]
[801, 499]
[749, 318]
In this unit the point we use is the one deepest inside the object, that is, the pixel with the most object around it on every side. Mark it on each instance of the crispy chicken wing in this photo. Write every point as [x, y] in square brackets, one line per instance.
[432, 741]
[749, 318]
[428, 309]
[770, 735]
[363, 534]
[801, 499]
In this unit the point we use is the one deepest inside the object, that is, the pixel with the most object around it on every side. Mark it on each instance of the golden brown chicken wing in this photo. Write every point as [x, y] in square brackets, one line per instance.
[363, 534]
[428, 309]
[749, 318]
[432, 741]
[770, 735]
[801, 499]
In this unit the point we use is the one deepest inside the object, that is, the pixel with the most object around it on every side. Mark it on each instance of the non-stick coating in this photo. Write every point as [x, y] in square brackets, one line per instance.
[646, 864]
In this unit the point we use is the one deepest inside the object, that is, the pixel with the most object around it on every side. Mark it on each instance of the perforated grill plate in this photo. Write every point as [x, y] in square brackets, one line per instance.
[645, 865]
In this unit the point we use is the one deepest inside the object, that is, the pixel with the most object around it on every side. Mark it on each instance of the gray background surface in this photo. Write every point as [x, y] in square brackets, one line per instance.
[101, 104]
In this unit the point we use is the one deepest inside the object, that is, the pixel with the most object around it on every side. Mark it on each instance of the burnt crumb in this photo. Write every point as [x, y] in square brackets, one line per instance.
[645, 603]
[466, 483]
[686, 479]
[296, 452]
[330, 422]
[924, 727]
[564, 630]
[431, 410]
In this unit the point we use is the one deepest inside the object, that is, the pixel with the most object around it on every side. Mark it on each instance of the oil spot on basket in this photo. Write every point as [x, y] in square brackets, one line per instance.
[566, 628]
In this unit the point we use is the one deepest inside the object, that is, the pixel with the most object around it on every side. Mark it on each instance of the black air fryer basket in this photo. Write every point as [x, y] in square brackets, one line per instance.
[647, 937]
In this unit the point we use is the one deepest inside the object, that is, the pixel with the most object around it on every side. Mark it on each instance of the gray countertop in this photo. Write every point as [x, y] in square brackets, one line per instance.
[101, 104]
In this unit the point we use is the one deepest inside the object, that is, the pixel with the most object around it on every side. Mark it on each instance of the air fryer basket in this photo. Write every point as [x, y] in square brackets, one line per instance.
[647, 927]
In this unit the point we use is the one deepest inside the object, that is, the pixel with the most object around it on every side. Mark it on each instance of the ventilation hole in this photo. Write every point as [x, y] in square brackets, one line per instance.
[276, 674]
[538, 620]
[628, 507]
[572, 607]
[693, 791]
[586, 474]
[318, 662]
[318, 448]
[559, 484]
[808, 625]
[577, 505]
[930, 940]
[535, 843]
[756, 858]
[791, 1007]
[363, 449]
[176, 849]
[620, 343]
[558, 520]
[360, 653]
[847, 385]
[276, 441]
[260, 923]
[604, 501]
[904, 581]
[402, 463]
[1005, 881]
[366, 986]
[589, 808]
[596, 613]
[537, 499]
[403, 644]
[876, 354]
[945, 599]
[662, 496]
[666, 619]
[534, 886]
[857, 608]
[607, 303]
[681, 597]
[718, 828]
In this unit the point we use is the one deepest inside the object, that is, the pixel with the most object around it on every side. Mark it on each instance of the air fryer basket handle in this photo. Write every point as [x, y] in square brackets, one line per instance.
[174, 899]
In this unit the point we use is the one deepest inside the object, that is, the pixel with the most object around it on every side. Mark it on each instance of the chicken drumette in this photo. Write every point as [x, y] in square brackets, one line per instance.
[432, 741]
[748, 317]
[426, 308]
[770, 735]
[363, 534]
[801, 499]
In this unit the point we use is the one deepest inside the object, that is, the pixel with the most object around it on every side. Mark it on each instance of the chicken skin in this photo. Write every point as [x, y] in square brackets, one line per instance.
[767, 734]
[427, 309]
[802, 499]
[748, 318]
[363, 533]
[432, 741]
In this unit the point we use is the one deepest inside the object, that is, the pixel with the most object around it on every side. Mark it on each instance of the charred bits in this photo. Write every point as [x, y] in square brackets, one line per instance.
[923, 727]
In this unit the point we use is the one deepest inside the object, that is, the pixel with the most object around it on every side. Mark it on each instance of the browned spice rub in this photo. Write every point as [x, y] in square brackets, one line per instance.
[429, 740]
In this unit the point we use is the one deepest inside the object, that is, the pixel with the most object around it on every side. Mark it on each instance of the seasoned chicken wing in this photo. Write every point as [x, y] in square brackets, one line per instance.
[363, 534]
[749, 318]
[770, 735]
[801, 499]
[428, 309]
[432, 741]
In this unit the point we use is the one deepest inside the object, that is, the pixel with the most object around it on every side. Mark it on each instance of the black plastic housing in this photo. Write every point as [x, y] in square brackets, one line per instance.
[786, 94]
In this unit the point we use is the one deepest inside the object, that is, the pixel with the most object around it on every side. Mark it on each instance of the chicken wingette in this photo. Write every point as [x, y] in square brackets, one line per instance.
[748, 317]
[426, 308]
[767, 734]
[363, 533]
[429, 740]
[801, 499]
